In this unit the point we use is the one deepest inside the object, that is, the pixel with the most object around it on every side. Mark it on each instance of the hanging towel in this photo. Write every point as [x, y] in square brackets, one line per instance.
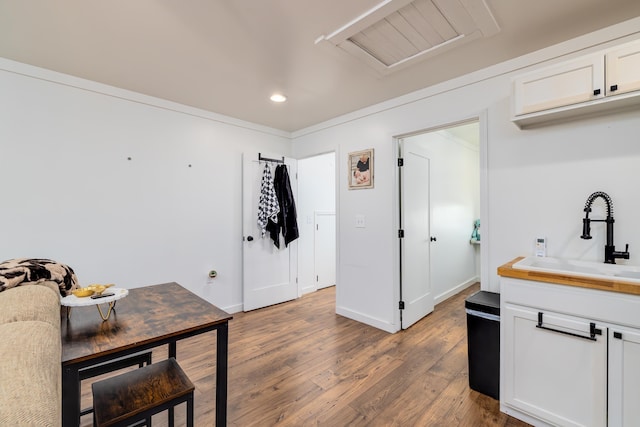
[268, 206]
[287, 217]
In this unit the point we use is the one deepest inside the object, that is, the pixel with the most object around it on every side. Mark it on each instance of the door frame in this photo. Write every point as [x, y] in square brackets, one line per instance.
[316, 215]
[481, 118]
[303, 286]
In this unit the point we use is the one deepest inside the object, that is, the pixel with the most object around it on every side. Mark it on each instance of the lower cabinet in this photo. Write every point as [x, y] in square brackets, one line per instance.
[624, 376]
[557, 371]
[569, 356]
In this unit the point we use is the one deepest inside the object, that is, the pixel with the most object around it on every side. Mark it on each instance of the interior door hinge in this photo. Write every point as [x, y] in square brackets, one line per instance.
[400, 233]
[401, 305]
[400, 161]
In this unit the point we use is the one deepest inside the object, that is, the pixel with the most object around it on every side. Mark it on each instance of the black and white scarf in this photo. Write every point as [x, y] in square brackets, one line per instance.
[268, 206]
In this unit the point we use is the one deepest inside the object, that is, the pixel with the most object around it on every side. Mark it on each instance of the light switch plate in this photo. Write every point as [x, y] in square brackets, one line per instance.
[541, 246]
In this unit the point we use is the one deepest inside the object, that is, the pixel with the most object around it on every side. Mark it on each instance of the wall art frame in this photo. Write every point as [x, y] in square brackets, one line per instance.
[360, 167]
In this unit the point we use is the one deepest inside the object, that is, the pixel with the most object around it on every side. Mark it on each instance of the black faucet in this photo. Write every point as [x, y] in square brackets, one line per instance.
[610, 253]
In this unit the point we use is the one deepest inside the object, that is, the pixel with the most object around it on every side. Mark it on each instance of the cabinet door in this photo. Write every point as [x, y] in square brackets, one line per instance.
[623, 69]
[550, 375]
[565, 84]
[624, 376]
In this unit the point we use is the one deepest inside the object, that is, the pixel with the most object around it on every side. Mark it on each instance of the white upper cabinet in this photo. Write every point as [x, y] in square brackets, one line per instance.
[564, 84]
[623, 69]
[595, 83]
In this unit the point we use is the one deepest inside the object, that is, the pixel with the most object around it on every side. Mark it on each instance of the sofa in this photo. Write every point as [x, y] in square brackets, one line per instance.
[30, 354]
[30, 345]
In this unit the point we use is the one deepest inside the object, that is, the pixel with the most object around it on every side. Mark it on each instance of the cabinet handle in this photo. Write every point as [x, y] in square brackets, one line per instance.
[596, 92]
[614, 88]
[593, 331]
[617, 335]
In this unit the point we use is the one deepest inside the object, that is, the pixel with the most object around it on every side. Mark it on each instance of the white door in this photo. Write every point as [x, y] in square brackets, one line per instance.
[269, 273]
[325, 249]
[624, 376]
[415, 284]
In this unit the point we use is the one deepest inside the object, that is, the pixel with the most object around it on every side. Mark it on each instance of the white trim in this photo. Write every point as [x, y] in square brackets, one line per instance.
[55, 77]
[485, 277]
[307, 290]
[396, 265]
[235, 308]
[368, 18]
[368, 320]
[455, 290]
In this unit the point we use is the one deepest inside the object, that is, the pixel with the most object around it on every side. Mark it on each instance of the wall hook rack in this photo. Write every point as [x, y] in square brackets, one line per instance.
[266, 159]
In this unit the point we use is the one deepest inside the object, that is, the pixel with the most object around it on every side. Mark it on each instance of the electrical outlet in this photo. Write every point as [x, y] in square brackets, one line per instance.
[359, 221]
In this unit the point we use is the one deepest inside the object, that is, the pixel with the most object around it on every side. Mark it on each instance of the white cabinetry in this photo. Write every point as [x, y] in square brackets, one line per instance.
[554, 376]
[598, 82]
[624, 376]
[623, 69]
[570, 356]
[565, 84]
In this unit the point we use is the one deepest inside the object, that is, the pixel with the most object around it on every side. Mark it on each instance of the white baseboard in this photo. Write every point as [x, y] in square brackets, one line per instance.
[451, 292]
[371, 321]
[236, 308]
[307, 289]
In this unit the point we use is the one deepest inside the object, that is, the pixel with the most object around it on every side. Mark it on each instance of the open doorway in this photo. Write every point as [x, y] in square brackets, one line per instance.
[438, 256]
[317, 222]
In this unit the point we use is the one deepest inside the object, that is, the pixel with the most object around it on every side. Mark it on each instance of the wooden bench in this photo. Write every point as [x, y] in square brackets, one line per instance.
[137, 395]
[141, 359]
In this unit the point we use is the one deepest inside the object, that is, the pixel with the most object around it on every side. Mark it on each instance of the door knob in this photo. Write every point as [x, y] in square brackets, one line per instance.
[250, 238]
[433, 239]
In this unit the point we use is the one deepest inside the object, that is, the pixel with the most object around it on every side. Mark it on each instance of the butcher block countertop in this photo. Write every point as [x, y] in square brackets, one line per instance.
[507, 270]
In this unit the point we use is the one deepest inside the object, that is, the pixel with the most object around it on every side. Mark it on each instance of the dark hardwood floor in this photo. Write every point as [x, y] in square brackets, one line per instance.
[300, 364]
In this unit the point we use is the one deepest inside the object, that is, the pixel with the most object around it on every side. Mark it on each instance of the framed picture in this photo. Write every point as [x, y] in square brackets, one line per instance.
[361, 169]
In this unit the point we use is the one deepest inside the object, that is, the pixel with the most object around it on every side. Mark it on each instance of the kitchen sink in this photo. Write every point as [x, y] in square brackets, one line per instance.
[598, 270]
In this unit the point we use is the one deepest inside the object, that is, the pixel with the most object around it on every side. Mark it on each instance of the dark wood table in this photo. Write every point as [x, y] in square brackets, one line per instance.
[148, 317]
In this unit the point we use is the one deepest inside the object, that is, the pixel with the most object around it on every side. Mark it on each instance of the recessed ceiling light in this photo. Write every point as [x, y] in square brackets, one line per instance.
[278, 97]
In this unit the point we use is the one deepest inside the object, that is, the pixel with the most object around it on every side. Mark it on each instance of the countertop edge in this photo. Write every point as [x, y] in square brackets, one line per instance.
[507, 270]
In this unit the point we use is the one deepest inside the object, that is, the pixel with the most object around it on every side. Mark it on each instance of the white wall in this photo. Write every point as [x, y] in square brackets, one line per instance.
[70, 193]
[454, 193]
[316, 193]
[537, 180]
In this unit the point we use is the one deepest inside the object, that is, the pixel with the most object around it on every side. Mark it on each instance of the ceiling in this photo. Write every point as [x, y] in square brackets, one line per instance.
[229, 56]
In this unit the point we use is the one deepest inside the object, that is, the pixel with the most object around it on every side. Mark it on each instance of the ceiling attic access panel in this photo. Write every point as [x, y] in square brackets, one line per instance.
[398, 33]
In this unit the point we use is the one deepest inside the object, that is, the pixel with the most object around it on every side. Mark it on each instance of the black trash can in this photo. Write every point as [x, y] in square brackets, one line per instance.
[483, 340]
